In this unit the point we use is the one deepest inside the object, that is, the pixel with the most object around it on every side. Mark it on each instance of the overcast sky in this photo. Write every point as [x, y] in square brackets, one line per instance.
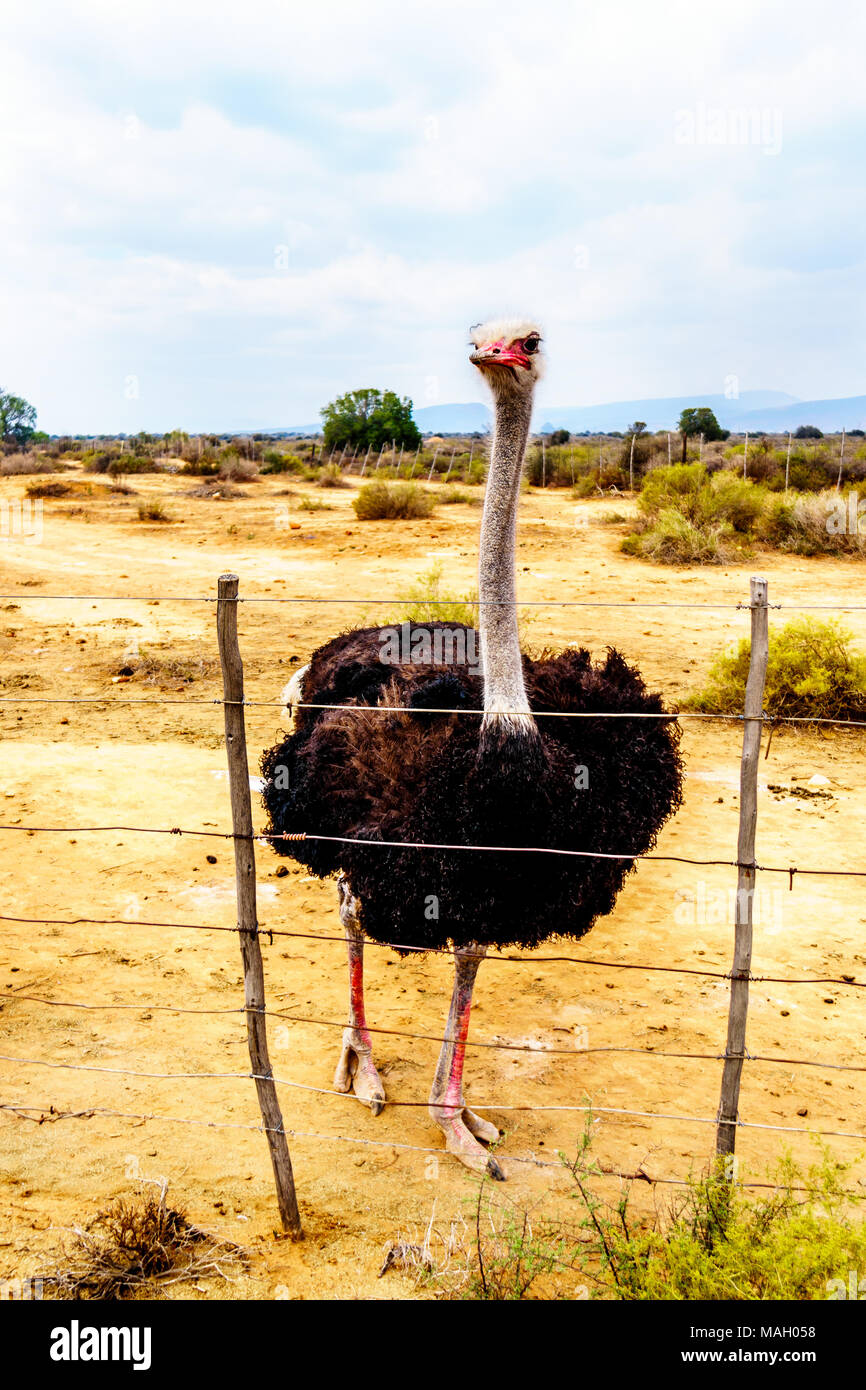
[220, 215]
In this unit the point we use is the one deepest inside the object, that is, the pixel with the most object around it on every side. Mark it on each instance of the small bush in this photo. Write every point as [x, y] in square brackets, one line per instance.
[717, 1242]
[331, 476]
[813, 524]
[205, 467]
[134, 1248]
[131, 463]
[48, 489]
[152, 511]
[275, 462]
[450, 495]
[813, 672]
[14, 465]
[239, 470]
[425, 602]
[675, 540]
[392, 502]
[314, 504]
[585, 486]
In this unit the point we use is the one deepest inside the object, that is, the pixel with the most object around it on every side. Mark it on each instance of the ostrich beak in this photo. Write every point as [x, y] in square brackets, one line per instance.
[498, 354]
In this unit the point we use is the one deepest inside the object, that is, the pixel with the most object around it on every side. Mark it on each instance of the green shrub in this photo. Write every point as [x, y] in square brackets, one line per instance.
[379, 501]
[813, 524]
[425, 602]
[585, 486]
[314, 504]
[675, 540]
[331, 476]
[797, 1240]
[718, 1242]
[451, 494]
[131, 463]
[205, 467]
[813, 672]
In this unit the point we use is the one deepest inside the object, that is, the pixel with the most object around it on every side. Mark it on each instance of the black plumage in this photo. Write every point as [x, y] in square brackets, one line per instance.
[603, 785]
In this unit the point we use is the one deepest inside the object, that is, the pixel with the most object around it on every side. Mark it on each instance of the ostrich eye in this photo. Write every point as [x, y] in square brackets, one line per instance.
[531, 344]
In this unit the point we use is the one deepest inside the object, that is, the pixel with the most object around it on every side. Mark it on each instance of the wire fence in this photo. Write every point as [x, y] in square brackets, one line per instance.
[51, 1113]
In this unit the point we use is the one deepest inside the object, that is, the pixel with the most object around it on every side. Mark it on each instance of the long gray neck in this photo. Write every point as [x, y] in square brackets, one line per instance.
[506, 706]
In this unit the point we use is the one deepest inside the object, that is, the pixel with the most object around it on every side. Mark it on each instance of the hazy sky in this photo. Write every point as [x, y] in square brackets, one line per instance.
[219, 215]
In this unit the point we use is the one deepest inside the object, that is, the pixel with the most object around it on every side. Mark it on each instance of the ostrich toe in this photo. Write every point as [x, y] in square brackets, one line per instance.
[460, 1128]
[481, 1128]
[356, 1071]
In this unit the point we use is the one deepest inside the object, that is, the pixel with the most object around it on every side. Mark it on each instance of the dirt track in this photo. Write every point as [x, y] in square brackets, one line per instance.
[165, 766]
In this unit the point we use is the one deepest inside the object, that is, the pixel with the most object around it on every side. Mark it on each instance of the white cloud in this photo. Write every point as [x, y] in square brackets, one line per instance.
[262, 207]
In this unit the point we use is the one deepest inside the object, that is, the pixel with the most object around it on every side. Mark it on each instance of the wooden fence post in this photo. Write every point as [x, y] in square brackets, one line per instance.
[735, 1048]
[245, 874]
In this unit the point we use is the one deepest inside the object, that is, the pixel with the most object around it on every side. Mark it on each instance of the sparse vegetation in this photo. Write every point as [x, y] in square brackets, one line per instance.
[54, 489]
[426, 603]
[153, 511]
[688, 515]
[331, 476]
[814, 672]
[392, 502]
[136, 1248]
[716, 1240]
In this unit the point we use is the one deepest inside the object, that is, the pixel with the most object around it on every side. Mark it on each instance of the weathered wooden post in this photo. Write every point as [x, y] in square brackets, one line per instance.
[735, 1048]
[788, 462]
[245, 874]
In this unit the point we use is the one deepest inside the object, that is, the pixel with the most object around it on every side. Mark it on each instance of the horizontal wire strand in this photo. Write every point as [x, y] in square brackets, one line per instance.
[772, 720]
[539, 1051]
[396, 598]
[49, 1114]
[267, 837]
[425, 1104]
[440, 950]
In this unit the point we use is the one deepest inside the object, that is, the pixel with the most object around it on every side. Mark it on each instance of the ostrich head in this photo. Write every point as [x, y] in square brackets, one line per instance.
[508, 354]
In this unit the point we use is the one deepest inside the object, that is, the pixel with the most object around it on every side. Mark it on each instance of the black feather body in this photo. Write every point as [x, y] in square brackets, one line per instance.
[603, 786]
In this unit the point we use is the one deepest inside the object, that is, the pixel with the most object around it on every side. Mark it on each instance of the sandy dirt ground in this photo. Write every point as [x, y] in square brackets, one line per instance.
[111, 764]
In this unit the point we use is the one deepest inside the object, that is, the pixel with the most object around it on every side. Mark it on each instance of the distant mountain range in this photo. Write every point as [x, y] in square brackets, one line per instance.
[775, 412]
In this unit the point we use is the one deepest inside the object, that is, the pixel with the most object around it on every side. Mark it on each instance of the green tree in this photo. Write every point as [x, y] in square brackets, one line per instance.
[560, 437]
[17, 419]
[699, 419]
[369, 418]
[808, 432]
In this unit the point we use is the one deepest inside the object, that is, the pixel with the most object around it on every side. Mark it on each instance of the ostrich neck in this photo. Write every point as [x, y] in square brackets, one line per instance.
[502, 667]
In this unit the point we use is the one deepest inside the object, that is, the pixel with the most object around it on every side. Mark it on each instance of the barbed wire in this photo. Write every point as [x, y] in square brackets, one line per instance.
[536, 1050]
[401, 598]
[769, 719]
[426, 1104]
[267, 837]
[261, 930]
[48, 1113]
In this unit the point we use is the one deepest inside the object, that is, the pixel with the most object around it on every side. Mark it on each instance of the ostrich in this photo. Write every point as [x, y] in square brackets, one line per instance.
[500, 775]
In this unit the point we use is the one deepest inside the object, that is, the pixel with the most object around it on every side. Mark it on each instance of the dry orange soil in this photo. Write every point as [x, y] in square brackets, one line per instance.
[97, 764]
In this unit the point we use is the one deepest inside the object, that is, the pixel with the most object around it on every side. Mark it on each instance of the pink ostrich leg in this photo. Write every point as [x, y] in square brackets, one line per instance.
[462, 1128]
[356, 1070]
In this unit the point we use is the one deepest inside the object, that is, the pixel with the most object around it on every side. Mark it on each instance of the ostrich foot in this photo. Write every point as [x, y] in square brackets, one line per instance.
[462, 1130]
[356, 1071]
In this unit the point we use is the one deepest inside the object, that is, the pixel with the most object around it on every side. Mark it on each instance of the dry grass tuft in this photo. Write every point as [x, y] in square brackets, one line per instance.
[136, 1248]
